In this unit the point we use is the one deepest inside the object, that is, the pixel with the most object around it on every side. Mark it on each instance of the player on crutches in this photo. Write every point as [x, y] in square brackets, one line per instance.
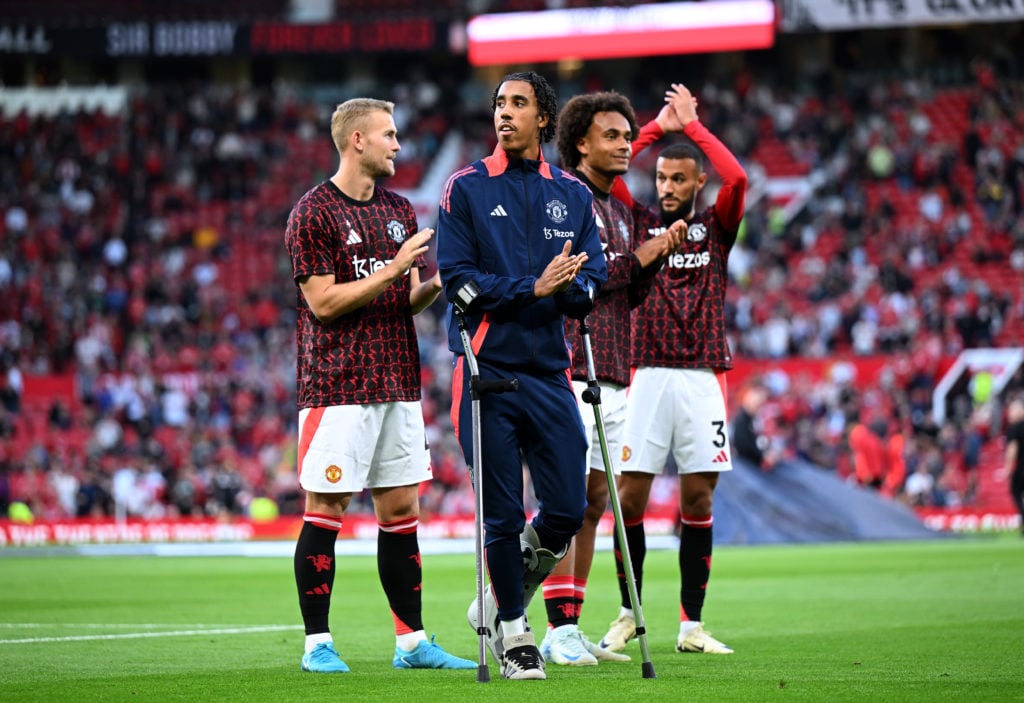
[524, 233]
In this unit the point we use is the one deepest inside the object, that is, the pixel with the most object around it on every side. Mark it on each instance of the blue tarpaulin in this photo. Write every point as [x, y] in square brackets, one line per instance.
[800, 502]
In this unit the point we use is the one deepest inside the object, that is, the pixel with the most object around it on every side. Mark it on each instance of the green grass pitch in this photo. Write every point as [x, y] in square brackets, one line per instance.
[921, 621]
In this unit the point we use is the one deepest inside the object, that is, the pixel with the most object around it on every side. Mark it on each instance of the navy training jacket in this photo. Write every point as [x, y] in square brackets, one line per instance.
[500, 223]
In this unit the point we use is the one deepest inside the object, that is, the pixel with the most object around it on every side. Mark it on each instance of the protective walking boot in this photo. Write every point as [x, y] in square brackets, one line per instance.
[538, 562]
[495, 636]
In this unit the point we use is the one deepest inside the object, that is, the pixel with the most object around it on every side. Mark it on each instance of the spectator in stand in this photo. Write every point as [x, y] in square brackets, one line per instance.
[1013, 461]
[747, 440]
[919, 489]
[356, 255]
[878, 459]
[869, 456]
[5, 485]
[896, 465]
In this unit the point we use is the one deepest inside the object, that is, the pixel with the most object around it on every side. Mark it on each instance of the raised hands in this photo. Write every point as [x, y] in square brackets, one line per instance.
[668, 120]
[682, 102]
[560, 272]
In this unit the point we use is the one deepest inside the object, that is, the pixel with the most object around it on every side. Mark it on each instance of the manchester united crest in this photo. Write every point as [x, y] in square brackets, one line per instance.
[396, 230]
[627, 453]
[332, 473]
[556, 211]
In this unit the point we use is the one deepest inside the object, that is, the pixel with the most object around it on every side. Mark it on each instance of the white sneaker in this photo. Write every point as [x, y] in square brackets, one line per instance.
[601, 654]
[564, 645]
[621, 631]
[698, 640]
[520, 658]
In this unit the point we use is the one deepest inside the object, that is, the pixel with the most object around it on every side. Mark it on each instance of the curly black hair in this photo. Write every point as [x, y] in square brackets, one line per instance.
[578, 114]
[547, 103]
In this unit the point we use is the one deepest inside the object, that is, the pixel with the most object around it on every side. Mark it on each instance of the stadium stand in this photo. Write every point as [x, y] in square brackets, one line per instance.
[146, 315]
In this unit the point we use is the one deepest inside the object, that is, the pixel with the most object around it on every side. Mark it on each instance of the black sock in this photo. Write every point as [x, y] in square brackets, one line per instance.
[314, 575]
[695, 566]
[401, 573]
[637, 541]
[560, 602]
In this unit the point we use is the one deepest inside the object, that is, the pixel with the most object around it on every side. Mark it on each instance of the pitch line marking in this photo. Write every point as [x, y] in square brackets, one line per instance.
[111, 625]
[140, 635]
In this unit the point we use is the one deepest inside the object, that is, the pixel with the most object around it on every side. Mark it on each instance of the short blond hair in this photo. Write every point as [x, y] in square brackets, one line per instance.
[351, 115]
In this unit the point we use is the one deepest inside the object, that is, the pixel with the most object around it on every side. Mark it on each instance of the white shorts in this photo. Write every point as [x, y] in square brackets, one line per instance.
[677, 410]
[346, 448]
[613, 412]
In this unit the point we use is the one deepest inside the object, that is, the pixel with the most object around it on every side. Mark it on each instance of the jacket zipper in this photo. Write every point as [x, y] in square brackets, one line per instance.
[529, 252]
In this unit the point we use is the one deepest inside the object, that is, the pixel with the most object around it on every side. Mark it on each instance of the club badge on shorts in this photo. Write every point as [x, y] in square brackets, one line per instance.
[332, 473]
[627, 453]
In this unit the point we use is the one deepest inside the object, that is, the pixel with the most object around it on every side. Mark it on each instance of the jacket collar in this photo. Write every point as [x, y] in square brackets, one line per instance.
[498, 162]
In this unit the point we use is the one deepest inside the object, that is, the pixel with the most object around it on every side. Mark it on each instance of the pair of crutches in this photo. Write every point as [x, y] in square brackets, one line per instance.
[592, 396]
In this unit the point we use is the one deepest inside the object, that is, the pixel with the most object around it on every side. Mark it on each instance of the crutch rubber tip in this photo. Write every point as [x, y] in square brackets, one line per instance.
[483, 674]
[648, 670]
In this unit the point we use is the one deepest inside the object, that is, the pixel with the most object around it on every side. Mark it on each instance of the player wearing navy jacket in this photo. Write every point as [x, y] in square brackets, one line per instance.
[522, 233]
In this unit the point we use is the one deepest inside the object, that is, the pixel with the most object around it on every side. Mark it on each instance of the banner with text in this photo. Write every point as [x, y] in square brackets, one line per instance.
[842, 15]
[71, 531]
[209, 39]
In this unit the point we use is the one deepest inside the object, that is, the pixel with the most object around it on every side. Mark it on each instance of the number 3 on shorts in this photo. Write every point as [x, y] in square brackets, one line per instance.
[720, 439]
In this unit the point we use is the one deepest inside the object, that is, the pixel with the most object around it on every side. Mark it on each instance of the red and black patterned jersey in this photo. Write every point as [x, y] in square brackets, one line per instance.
[682, 322]
[609, 320]
[368, 355]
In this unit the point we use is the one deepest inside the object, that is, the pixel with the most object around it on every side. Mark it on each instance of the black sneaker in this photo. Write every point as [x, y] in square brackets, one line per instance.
[521, 658]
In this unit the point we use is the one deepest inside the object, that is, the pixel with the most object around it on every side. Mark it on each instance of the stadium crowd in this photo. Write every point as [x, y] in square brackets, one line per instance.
[184, 372]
